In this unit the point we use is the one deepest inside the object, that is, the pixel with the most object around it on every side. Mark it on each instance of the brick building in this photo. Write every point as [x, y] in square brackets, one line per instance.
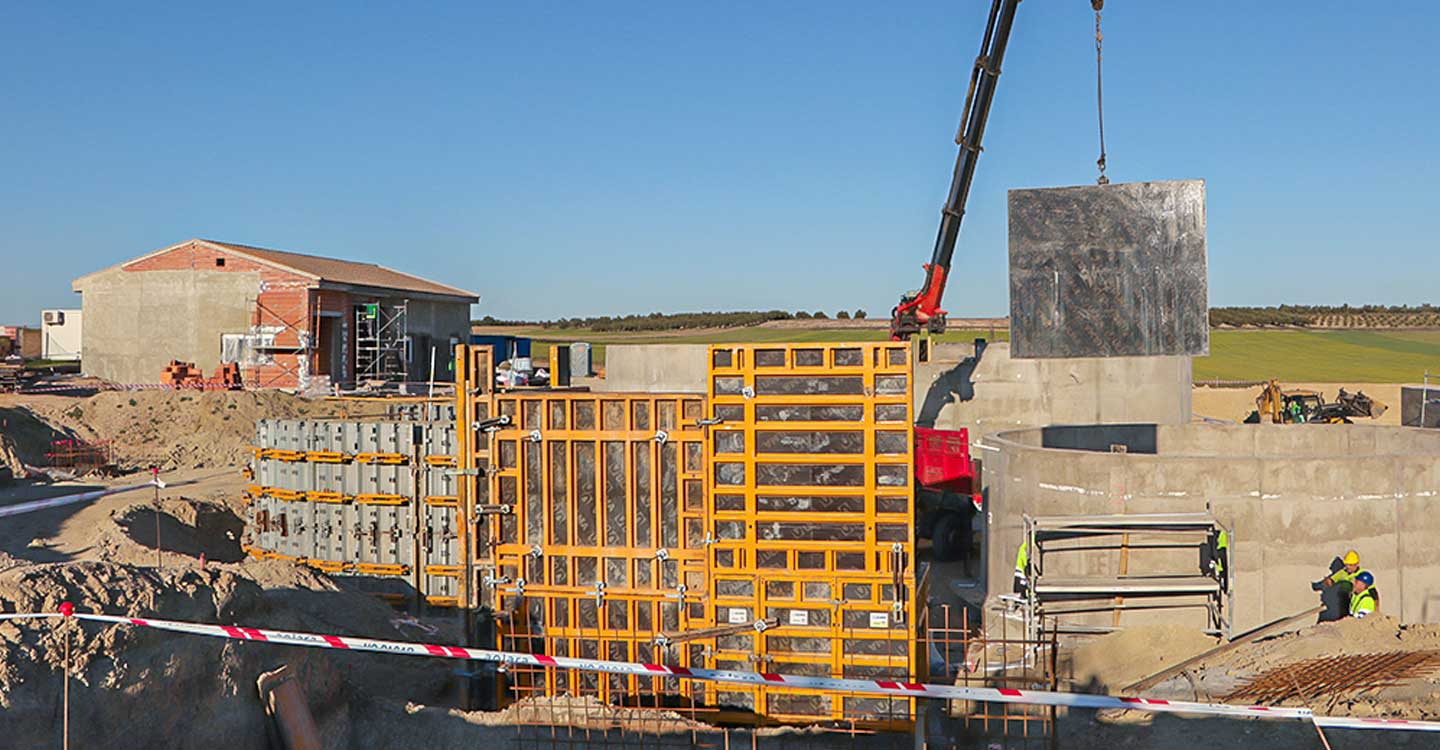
[292, 321]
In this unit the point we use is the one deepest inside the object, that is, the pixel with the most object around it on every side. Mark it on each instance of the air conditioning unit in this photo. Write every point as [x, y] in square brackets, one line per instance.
[54, 317]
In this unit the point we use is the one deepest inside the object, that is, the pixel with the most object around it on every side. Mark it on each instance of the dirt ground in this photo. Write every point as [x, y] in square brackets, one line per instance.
[1234, 404]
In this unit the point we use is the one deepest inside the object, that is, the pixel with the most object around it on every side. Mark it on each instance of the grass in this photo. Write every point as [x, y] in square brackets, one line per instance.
[1321, 356]
[1295, 356]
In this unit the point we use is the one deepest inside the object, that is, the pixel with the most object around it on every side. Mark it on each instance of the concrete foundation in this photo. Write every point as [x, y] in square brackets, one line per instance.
[657, 368]
[1293, 497]
[997, 392]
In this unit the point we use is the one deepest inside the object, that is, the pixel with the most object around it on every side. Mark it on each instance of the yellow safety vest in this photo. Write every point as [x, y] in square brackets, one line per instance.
[1363, 603]
[1341, 575]
[1022, 558]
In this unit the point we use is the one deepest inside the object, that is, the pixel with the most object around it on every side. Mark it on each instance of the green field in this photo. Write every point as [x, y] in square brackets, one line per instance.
[1293, 356]
[1321, 356]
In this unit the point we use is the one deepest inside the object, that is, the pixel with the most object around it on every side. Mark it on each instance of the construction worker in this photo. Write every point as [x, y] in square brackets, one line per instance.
[1215, 555]
[1022, 564]
[1365, 599]
[1295, 414]
[1336, 588]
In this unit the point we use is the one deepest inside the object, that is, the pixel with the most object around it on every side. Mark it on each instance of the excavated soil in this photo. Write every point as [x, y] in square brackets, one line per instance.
[170, 429]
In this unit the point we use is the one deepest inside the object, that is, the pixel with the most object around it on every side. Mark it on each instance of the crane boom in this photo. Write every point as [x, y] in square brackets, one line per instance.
[921, 310]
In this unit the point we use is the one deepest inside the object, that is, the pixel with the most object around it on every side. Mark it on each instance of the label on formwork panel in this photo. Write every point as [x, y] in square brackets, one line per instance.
[879, 620]
[799, 617]
[738, 616]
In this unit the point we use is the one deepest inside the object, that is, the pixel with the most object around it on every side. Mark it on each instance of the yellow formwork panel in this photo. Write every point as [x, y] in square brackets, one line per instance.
[603, 545]
[810, 481]
[474, 389]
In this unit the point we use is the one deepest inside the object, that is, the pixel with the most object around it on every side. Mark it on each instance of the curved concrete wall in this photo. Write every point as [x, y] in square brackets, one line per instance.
[1294, 497]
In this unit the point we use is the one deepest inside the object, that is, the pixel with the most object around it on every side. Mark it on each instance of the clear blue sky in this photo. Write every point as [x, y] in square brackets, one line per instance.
[601, 157]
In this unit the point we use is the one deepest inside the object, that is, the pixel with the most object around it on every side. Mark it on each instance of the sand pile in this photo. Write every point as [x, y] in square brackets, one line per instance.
[173, 429]
[135, 687]
[1120, 658]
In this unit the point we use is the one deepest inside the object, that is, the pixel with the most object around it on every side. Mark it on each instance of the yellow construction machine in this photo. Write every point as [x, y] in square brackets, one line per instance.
[1300, 406]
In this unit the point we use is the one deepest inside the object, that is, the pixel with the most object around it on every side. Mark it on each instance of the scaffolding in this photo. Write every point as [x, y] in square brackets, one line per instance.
[1163, 579]
[382, 341]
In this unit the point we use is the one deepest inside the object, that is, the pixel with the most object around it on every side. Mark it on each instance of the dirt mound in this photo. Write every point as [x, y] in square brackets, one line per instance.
[1125, 656]
[135, 687]
[171, 429]
[209, 531]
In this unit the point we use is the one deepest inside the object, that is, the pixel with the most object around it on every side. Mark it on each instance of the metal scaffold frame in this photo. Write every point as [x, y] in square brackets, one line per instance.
[382, 341]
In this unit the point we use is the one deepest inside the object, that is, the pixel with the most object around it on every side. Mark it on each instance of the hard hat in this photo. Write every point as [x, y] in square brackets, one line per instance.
[1351, 558]
[1366, 578]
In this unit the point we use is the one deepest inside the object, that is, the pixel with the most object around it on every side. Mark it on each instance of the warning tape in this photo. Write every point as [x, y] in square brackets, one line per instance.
[829, 684]
[55, 502]
[757, 679]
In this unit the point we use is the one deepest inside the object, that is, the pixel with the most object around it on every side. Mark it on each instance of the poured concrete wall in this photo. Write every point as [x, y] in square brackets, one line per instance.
[657, 368]
[135, 323]
[1293, 496]
[1002, 393]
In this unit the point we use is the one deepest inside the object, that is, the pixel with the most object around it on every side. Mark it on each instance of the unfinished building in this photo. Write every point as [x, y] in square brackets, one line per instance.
[289, 320]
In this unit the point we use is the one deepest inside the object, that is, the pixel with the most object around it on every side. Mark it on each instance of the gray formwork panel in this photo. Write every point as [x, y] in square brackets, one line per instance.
[1420, 406]
[1109, 271]
[388, 534]
[334, 531]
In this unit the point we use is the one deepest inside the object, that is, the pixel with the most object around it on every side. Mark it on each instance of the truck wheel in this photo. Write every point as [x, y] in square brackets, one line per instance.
[950, 538]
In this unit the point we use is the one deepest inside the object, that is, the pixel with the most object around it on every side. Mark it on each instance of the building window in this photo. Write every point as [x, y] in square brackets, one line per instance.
[220, 262]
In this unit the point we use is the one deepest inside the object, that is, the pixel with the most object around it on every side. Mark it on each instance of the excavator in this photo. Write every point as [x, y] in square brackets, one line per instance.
[1301, 406]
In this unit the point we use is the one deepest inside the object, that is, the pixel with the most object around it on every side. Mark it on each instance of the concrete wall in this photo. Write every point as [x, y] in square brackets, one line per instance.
[434, 323]
[657, 368]
[953, 390]
[1293, 496]
[135, 323]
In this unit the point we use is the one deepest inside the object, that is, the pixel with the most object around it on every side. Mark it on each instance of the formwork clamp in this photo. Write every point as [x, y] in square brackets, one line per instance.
[661, 436]
[709, 422]
[536, 552]
[599, 592]
[747, 392]
[662, 554]
[535, 436]
[492, 424]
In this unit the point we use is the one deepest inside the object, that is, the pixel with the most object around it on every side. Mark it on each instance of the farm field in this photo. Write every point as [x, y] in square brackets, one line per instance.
[1321, 356]
[1331, 356]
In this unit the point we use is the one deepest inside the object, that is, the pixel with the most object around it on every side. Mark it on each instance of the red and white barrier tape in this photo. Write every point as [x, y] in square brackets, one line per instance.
[829, 684]
[55, 502]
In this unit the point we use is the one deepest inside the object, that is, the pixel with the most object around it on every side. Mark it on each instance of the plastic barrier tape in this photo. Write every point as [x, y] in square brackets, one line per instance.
[55, 502]
[831, 684]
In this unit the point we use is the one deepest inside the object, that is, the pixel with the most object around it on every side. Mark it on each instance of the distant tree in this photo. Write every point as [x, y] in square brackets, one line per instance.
[842, 315]
[860, 315]
[802, 315]
[820, 315]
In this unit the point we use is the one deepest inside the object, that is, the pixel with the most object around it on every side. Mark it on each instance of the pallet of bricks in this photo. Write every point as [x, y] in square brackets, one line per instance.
[372, 500]
[601, 552]
[810, 471]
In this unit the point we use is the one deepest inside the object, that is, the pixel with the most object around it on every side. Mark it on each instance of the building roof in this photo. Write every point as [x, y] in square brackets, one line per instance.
[323, 270]
[343, 271]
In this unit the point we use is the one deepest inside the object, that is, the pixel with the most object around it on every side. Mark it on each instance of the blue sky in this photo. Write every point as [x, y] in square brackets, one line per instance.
[601, 157]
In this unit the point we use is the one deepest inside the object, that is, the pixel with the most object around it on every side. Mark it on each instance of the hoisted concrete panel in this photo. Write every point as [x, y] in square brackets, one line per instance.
[1109, 270]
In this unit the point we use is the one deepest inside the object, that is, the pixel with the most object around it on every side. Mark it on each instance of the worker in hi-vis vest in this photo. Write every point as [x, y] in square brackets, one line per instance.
[1337, 587]
[1022, 564]
[1364, 599]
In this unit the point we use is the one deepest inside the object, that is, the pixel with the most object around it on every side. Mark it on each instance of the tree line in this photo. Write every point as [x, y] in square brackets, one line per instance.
[657, 321]
[1308, 315]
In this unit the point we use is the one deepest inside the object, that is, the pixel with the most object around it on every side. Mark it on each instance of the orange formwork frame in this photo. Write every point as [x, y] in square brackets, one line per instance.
[810, 483]
[603, 550]
[790, 546]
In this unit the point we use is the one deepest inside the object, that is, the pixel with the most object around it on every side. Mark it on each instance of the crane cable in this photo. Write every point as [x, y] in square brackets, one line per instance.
[1098, 5]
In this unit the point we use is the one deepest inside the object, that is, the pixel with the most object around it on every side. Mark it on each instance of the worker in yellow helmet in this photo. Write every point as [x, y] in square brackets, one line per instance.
[1365, 598]
[1338, 586]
